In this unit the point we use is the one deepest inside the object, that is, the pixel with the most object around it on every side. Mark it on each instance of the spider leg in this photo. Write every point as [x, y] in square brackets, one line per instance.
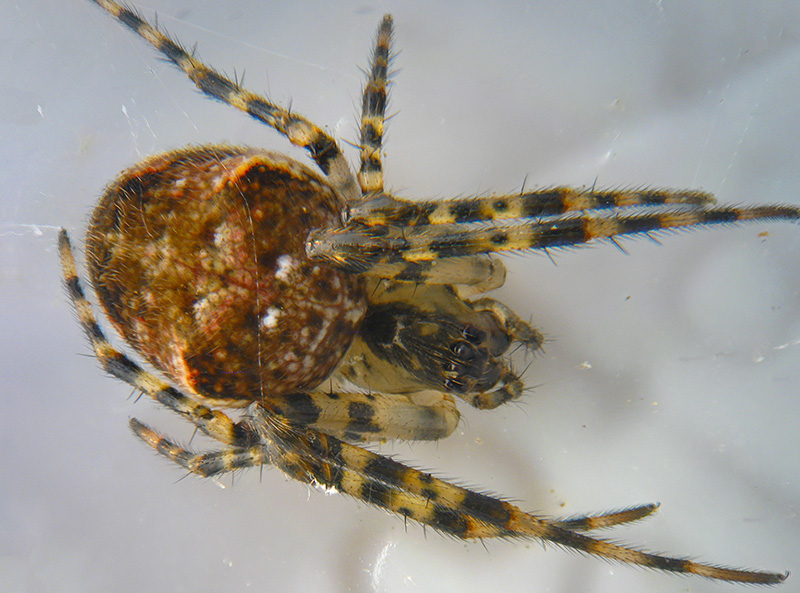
[606, 520]
[388, 210]
[202, 464]
[360, 248]
[215, 463]
[298, 130]
[357, 416]
[373, 110]
[316, 458]
[212, 422]
[480, 272]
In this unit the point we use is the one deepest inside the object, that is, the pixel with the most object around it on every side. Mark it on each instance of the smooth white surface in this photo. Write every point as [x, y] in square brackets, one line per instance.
[672, 374]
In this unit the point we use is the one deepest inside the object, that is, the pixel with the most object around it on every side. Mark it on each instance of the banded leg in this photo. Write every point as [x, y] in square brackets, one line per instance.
[369, 417]
[359, 248]
[214, 463]
[373, 111]
[606, 520]
[313, 457]
[388, 210]
[479, 272]
[214, 423]
[297, 129]
[202, 464]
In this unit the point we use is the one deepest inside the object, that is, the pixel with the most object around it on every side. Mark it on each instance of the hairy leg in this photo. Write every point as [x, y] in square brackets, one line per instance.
[315, 458]
[373, 111]
[297, 129]
[554, 201]
[360, 247]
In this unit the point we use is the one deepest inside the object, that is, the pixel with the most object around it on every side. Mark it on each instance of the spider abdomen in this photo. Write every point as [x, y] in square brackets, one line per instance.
[198, 257]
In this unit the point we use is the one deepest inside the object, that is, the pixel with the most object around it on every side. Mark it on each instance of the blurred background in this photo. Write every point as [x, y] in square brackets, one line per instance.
[671, 373]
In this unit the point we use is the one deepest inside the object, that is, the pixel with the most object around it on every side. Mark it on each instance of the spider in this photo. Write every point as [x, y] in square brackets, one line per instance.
[335, 313]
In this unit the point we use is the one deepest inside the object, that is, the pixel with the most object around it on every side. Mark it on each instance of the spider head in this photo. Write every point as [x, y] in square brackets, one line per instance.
[455, 353]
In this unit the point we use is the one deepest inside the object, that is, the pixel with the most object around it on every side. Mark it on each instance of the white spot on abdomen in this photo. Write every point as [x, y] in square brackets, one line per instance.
[270, 318]
[285, 266]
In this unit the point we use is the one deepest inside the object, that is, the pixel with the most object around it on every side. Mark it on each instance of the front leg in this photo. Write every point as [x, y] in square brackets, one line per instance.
[361, 248]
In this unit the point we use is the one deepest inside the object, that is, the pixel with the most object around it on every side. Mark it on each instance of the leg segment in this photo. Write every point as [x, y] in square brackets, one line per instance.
[373, 110]
[605, 520]
[300, 132]
[202, 464]
[369, 417]
[388, 210]
[480, 272]
[360, 248]
[212, 422]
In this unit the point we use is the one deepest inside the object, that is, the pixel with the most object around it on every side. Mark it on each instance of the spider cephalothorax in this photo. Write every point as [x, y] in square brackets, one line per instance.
[336, 312]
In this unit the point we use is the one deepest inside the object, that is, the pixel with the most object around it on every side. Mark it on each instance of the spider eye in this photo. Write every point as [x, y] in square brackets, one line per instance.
[455, 385]
[473, 334]
[464, 350]
[457, 368]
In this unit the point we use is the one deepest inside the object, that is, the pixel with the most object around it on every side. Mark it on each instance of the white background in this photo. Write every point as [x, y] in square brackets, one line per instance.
[672, 372]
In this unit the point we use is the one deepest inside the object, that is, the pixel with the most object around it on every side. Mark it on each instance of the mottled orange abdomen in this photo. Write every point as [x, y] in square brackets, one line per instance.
[217, 290]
